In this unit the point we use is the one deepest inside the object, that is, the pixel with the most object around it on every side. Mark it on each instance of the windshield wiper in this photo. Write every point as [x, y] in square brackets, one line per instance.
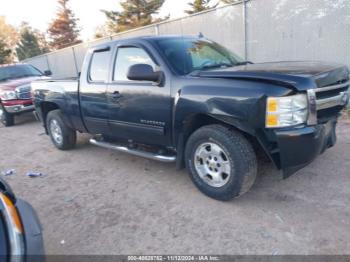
[212, 66]
[16, 77]
[7, 78]
[243, 63]
[27, 75]
[216, 66]
[220, 65]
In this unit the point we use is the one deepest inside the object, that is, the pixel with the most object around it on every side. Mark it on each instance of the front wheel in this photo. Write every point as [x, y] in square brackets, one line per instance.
[5, 118]
[62, 136]
[221, 162]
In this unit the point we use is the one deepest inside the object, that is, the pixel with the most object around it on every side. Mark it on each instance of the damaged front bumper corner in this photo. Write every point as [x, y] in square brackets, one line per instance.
[291, 149]
[300, 146]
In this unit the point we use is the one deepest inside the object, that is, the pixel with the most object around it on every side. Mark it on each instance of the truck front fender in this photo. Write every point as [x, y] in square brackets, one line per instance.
[194, 103]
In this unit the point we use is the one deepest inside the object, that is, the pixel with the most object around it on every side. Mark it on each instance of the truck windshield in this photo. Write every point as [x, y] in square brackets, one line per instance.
[18, 71]
[187, 55]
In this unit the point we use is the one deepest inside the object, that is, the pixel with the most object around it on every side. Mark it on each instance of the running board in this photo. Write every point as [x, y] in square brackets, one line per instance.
[135, 152]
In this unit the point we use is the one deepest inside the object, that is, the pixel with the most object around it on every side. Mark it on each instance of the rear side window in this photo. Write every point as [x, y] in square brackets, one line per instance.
[99, 66]
[127, 57]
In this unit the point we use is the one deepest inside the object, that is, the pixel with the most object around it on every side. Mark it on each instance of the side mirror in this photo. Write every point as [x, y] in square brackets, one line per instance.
[143, 72]
[47, 73]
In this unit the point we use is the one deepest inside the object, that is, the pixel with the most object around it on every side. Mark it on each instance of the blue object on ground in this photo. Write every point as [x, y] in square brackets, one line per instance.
[9, 172]
[34, 174]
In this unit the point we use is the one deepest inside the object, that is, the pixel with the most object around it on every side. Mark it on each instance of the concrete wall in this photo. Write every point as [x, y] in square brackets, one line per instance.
[259, 30]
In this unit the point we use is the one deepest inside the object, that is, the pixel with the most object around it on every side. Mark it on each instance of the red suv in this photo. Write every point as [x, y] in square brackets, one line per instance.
[15, 91]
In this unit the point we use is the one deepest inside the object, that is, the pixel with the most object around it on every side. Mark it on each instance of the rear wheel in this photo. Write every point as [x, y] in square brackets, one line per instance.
[221, 162]
[5, 118]
[62, 136]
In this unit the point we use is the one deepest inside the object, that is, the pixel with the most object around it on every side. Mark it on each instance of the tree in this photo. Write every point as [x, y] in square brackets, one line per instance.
[199, 6]
[230, 1]
[5, 53]
[42, 41]
[64, 31]
[7, 32]
[101, 31]
[8, 37]
[135, 13]
[28, 45]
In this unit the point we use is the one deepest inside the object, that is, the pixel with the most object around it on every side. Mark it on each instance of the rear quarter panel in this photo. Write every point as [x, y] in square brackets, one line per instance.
[64, 94]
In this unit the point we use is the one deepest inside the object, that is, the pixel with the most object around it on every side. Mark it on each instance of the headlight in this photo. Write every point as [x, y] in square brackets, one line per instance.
[14, 225]
[286, 111]
[8, 95]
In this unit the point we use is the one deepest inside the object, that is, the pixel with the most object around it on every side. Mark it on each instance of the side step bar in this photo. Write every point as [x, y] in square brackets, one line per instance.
[135, 152]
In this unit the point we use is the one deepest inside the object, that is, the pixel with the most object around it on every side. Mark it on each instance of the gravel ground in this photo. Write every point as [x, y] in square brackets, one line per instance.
[95, 201]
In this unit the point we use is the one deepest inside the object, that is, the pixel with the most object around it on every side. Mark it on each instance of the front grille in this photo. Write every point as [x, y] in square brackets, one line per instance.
[330, 93]
[328, 101]
[324, 115]
[27, 95]
[24, 92]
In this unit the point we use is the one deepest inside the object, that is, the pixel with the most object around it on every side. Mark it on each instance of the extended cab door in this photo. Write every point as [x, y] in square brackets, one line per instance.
[93, 88]
[138, 110]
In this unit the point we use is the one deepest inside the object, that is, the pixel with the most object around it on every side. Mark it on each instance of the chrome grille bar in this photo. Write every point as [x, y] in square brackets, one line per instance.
[24, 92]
[340, 100]
[333, 87]
[311, 95]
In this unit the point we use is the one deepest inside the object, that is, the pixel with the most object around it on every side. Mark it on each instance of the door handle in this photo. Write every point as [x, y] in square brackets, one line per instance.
[116, 95]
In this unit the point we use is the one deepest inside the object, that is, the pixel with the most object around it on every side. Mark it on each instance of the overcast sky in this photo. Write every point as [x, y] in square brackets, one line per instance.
[39, 13]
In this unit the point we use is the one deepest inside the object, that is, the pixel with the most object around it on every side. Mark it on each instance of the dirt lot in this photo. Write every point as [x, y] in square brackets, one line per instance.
[103, 202]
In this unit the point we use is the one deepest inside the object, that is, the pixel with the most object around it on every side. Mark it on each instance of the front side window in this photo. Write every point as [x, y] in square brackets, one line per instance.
[127, 57]
[186, 55]
[99, 66]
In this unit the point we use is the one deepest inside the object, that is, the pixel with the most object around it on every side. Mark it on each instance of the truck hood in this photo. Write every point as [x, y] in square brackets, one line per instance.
[299, 75]
[12, 84]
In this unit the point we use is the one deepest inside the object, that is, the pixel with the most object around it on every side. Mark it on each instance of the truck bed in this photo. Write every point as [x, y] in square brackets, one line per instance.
[55, 83]
[68, 86]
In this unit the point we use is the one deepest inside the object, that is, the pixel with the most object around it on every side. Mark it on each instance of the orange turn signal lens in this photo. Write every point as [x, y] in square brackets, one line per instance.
[271, 120]
[12, 212]
[272, 105]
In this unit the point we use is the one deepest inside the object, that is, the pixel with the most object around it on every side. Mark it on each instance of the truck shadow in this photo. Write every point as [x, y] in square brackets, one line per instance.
[25, 119]
[267, 173]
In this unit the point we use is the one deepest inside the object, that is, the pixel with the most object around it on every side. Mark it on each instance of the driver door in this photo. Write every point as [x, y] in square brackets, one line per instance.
[138, 110]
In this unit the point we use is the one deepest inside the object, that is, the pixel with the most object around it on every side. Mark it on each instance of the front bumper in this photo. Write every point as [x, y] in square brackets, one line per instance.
[18, 106]
[298, 147]
[19, 109]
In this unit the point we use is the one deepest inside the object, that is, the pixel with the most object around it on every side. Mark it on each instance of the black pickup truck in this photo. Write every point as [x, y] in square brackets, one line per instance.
[191, 101]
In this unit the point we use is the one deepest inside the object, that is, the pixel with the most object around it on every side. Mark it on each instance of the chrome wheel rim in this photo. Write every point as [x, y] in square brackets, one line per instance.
[212, 164]
[56, 131]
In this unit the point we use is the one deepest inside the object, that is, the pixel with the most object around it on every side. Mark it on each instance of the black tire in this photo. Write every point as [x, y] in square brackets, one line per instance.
[68, 136]
[240, 156]
[5, 118]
